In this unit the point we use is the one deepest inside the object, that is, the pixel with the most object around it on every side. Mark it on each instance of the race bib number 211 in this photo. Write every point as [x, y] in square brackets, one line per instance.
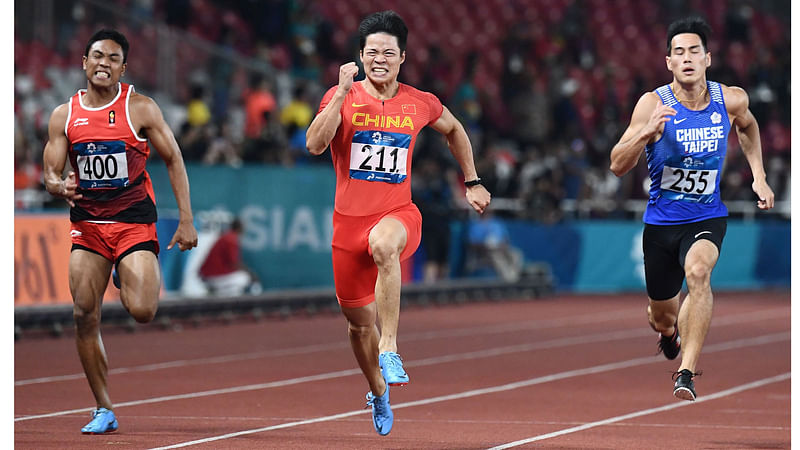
[379, 156]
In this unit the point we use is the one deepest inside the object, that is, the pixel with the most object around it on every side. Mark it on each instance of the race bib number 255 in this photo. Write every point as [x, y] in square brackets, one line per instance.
[691, 179]
[379, 156]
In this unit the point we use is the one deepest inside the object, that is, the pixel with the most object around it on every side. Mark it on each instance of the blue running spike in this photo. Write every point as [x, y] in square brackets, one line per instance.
[103, 421]
[392, 369]
[382, 416]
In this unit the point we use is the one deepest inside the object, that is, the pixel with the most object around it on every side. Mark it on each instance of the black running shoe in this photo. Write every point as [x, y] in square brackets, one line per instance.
[670, 345]
[684, 386]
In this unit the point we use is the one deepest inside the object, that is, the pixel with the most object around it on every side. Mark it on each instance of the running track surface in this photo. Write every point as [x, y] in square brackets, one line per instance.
[561, 372]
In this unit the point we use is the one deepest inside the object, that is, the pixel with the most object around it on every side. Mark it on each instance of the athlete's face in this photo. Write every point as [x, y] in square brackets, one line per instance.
[103, 65]
[381, 58]
[688, 60]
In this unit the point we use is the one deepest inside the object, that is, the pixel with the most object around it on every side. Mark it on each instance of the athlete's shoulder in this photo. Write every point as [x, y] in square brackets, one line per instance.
[649, 100]
[407, 89]
[736, 98]
[142, 105]
[59, 115]
[332, 90]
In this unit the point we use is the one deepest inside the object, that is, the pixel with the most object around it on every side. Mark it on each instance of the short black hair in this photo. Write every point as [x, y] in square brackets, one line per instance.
[695, 25]
[113, 35]
[388, 22]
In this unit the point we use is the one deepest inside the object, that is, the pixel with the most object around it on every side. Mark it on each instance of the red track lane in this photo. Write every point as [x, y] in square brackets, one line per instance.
[562, 372]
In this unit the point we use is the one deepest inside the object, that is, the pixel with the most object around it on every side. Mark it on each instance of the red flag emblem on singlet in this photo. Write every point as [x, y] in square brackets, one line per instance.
[409, 109]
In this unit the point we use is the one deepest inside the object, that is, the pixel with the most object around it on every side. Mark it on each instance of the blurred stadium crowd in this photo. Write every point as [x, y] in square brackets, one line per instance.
[544, 88]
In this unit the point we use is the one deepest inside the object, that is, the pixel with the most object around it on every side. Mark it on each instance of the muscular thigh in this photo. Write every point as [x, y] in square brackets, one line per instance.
[411, 219]
[140, 268]
[88, 277]
[709, 234]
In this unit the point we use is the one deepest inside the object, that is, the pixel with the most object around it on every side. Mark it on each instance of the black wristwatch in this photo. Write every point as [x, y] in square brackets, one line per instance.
[471, 183]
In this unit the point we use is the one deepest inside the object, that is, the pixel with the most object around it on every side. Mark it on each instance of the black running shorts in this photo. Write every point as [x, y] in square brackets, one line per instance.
[665, 248]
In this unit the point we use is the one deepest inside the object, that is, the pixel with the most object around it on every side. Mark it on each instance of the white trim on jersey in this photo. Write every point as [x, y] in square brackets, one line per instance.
[83, 91]
[69, 116]
[128, 115]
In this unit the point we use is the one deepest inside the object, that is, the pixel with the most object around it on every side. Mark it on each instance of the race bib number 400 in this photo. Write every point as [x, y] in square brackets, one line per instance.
[690, 179]
[102, 164]
[379, 156]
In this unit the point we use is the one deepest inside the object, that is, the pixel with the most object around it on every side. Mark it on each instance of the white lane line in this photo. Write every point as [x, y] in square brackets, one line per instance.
[430, 361]
[539, 324]
[471, 331]
[767, 339]
[645, 412]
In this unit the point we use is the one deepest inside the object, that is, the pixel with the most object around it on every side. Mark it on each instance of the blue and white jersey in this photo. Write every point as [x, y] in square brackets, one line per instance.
[685, 164]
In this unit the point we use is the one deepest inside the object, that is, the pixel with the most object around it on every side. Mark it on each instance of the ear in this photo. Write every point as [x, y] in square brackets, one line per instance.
[402, 57]
[667, 60]
[84, 59]
[708, 59]
[124, 66]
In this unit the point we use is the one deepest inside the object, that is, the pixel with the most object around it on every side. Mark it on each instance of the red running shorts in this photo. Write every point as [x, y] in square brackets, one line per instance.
[112, 240]
[354, 270]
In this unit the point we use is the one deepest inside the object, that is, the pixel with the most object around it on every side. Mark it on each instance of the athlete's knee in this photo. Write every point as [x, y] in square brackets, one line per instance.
[360, 331]
[86, 317]
[383, 251]
[698, 274]
[142, 311]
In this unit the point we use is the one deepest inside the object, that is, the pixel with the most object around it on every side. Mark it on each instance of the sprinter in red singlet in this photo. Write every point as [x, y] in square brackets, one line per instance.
[371, 127]
[104, 130]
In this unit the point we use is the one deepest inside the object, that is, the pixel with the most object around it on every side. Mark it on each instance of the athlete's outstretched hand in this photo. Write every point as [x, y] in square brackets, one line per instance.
[69, 189]
[766, 199]
[347, 72]
[185, 236]
[478, 197]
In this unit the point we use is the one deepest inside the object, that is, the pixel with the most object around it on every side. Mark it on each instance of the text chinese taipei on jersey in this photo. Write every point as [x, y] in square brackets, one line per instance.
[686, 163]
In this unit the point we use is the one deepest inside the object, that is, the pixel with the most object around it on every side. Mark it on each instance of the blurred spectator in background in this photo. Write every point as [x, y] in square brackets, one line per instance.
[490, 246]
[530, 78]
[258, 101]
[197, 112]
[223, 270]
[432, 193]
[223, 149]
[295, 117]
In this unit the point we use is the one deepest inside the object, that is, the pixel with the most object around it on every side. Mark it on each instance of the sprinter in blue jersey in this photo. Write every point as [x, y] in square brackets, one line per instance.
[683, 127]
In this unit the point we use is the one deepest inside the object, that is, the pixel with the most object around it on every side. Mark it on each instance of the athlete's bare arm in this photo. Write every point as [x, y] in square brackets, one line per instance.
[647, 124]
[323, 127]
[458, 142]
[55, 158]
[146, 117]
[738, 104]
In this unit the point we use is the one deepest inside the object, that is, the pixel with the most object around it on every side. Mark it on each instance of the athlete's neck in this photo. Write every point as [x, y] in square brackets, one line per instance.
[97, 96]
[690, 94]
[381, 91]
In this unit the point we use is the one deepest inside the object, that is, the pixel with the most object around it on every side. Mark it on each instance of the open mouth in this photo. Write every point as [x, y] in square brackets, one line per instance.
[102, 75]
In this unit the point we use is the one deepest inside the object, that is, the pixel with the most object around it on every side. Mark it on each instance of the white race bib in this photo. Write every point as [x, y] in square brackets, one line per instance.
[102, 164]
[379, 156]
